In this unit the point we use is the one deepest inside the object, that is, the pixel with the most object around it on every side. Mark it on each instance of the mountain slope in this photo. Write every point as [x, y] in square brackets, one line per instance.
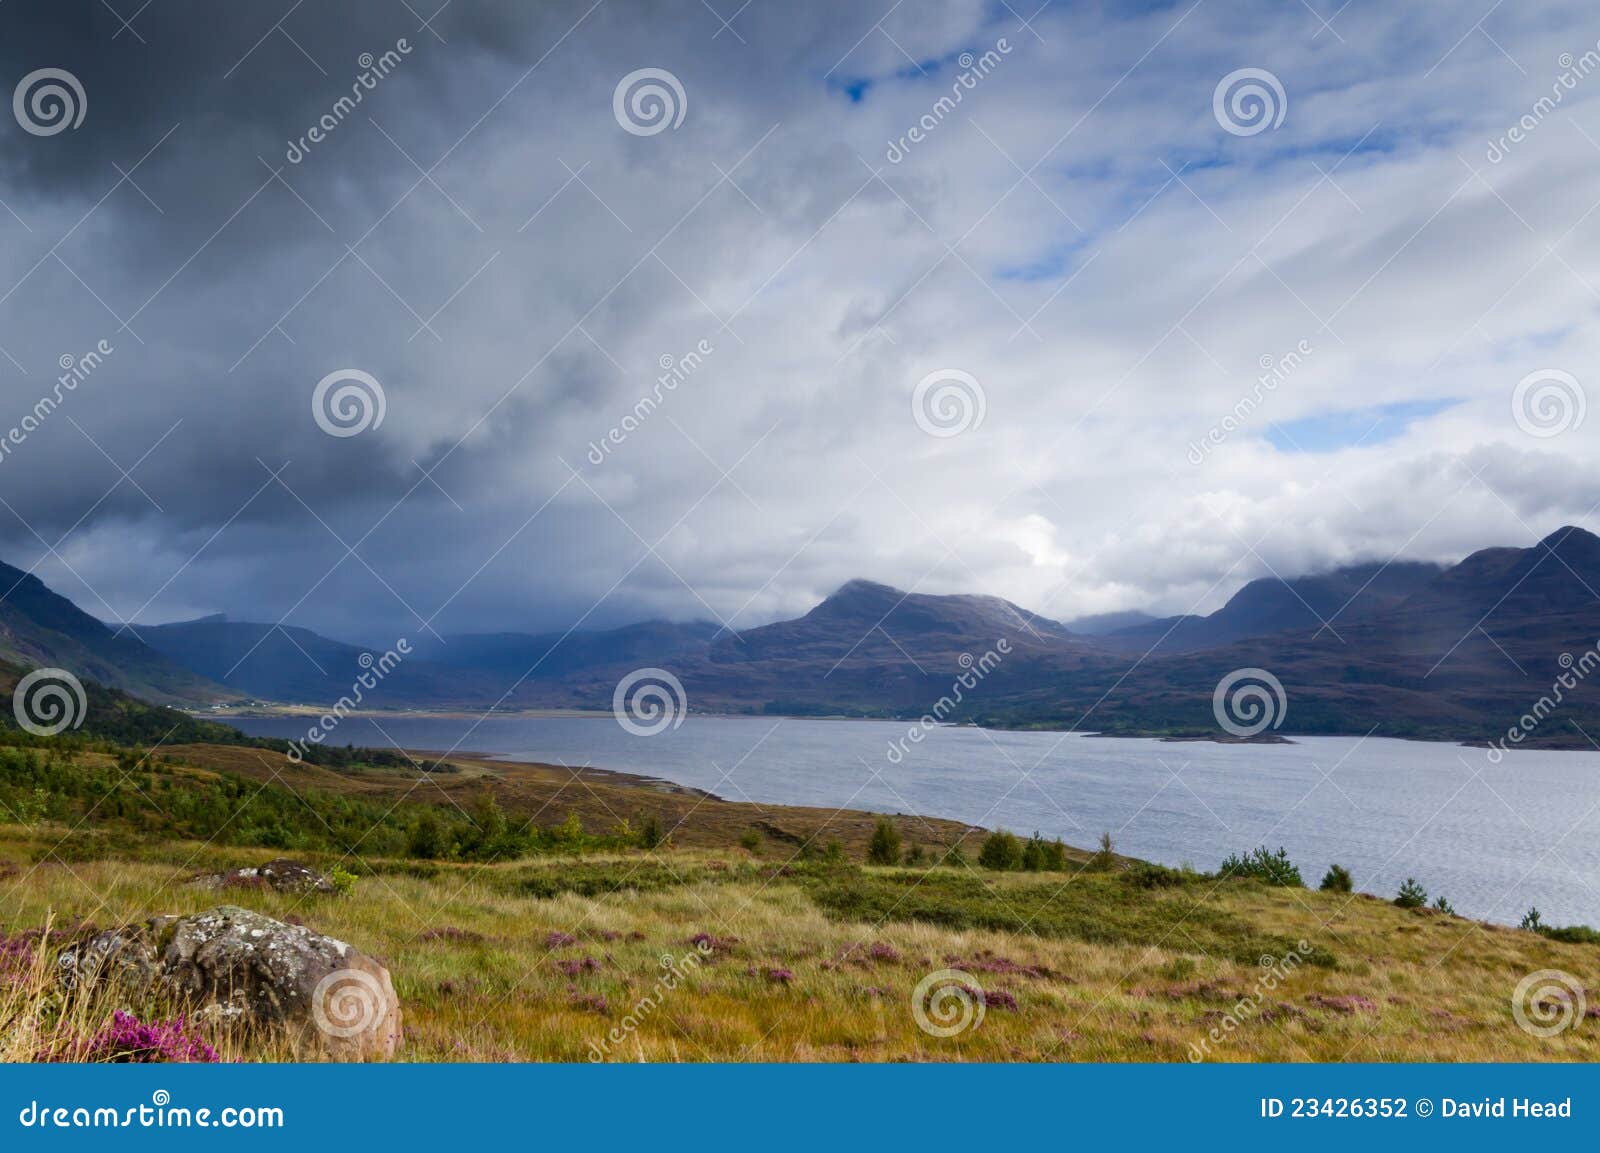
[1468, 655]
[1271, 605]
[40, 627]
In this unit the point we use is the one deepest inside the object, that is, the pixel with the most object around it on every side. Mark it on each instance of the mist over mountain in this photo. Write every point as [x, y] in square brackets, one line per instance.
[1405, 648]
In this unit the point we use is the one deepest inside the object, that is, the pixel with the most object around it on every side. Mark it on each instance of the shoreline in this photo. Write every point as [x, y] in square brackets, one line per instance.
[271, 712]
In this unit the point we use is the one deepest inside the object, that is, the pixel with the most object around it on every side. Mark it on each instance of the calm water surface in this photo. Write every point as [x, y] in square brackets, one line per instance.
[1494, 839]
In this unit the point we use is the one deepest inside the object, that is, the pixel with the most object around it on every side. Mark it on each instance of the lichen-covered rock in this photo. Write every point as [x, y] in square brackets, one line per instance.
[239, 966]
[282, 875]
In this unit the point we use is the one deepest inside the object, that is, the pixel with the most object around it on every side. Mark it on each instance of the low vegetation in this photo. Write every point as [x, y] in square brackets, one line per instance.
[537, 913]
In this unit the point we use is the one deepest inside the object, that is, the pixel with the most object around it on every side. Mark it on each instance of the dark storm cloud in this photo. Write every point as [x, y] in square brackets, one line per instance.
[483, 238]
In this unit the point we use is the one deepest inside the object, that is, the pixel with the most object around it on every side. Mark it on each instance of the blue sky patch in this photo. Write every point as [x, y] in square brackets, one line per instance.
[1330, 432]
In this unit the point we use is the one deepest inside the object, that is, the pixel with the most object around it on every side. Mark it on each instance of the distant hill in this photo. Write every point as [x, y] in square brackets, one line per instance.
[295, 665]
[1098, 624]
[545, 656]
[1405, 649]
[1271, 605]
[1467, 655]
[40, 627]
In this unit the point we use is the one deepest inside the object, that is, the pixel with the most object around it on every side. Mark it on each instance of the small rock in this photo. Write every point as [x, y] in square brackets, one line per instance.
[281, 875]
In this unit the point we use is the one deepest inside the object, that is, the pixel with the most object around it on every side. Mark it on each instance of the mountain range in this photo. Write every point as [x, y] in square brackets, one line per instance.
[1403, 648]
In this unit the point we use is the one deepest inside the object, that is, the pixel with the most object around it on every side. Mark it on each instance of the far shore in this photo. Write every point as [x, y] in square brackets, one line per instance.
[1560, 743]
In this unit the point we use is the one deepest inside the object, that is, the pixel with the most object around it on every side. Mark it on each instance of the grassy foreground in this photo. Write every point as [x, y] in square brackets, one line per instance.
[728, 942]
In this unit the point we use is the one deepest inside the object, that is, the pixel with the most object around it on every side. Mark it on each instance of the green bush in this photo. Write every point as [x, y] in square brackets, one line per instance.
[1443, 905]
[1412, 895]
[1265, 866]
[884, 847]
[1001, 851]
[344, 881]
[750, 840]
[1531, 921]
[1337, 880]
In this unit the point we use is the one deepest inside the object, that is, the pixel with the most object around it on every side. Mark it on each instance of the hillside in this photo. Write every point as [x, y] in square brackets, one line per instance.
[791, 948]
[1270, 605]
[40, 627]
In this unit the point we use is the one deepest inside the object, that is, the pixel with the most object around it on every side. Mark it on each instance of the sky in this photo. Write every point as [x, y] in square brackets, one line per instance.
[599, 311]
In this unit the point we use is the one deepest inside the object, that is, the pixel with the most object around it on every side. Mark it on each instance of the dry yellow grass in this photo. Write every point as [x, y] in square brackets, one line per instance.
[477, 959]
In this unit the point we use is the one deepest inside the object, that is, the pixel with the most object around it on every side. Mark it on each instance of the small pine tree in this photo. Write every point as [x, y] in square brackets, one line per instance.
[884, 847]
[1443, 905]
[1337, 880]
[1033, 854]
[1412, 895]
[650, 834]
[834, 853]
[1001, 851]
[1531, 921]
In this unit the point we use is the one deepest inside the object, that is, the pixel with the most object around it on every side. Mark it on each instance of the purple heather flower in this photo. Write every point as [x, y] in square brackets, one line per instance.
[129, 1040]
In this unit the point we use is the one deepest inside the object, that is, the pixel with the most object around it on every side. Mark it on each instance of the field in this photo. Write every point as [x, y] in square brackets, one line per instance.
[740, 936]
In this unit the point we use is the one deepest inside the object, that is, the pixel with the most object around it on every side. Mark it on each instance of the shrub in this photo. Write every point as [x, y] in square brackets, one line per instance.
[344, 881]
[1573, 934]
[1336, 880]
[1444, 906]
[426, 839]
[1531, 921]
[750, 840]
[650, 834]
[884, 847]
[914, 855]
[1104, 858]
[1001, 851]
[1412, 895]
[1033, 854]
[1265, 866]
[833, 854]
